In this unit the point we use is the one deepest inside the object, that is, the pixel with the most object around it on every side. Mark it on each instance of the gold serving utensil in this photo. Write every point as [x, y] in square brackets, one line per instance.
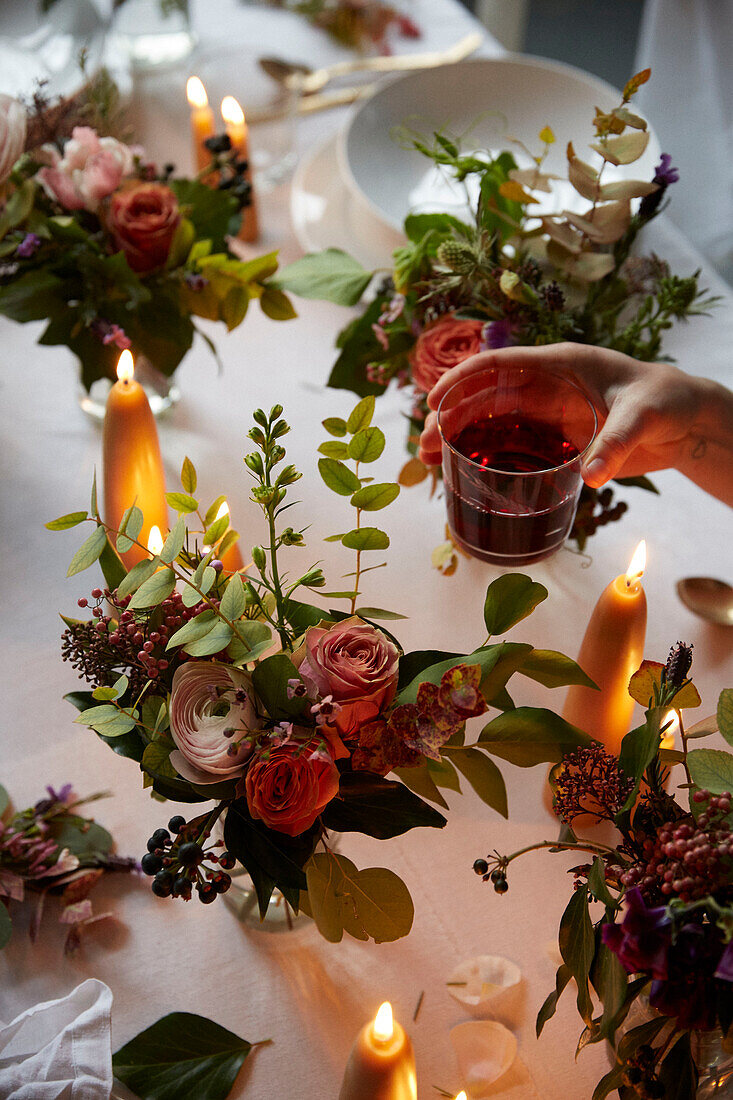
[307, 81]
[707, 597]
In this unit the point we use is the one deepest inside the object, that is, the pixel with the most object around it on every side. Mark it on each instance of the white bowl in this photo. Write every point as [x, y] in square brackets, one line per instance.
[489, 101]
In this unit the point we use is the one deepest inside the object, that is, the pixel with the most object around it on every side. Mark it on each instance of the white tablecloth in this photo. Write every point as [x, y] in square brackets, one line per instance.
[311, 997]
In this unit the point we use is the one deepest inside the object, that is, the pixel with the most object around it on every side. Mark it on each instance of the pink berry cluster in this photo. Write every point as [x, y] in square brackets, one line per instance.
[688, 859]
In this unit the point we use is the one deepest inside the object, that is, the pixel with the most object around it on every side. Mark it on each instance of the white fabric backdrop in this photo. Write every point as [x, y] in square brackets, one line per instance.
[311, 997]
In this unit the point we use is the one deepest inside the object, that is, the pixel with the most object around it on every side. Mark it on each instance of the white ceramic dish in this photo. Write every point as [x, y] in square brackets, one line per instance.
[487, 100]
[36, 47]
[326, 214]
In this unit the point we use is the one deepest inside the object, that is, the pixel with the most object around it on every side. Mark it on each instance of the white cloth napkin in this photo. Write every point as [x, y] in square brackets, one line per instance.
[60, 1050]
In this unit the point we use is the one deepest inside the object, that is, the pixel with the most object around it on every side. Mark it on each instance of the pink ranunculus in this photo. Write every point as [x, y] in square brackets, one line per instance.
[357, 665]
[90, 170]
[12, 134]
[442, 346]
[289, 787]
[208, 699]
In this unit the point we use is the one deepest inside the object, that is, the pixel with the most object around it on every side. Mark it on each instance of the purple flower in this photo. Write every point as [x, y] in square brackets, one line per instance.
[196, 282]
[28, 246]
[642, 940]
[664, 172]
[687, 992]
[110, 333]
[497, 334]
[381, 336]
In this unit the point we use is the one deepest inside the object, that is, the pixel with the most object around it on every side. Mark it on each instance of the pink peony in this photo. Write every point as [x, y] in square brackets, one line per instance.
[290, 787]
[12, 134]
[89, 171]
[354, 663]
[442, 346]
[207, 701]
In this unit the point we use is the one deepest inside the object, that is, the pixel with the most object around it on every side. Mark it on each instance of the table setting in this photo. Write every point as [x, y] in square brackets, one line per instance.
[298, 798]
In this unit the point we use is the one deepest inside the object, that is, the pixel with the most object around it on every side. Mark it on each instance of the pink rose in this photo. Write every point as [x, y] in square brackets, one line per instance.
[12, 134]
[207, 701]
[356, 664]
[290, 787]
[90, 169]
[143, 219]
[442, 346]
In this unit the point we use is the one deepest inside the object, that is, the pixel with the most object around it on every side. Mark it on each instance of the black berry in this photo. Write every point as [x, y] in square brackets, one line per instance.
[190, 854]
[207, 892]
[163, 884]
[480, 867]
[151, 863]
[176, 823]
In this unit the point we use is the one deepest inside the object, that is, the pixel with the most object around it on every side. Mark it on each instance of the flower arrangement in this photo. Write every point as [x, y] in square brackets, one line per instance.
[50, 848]
[651, 917]
[227, 688]
[510, 277]
[111, 252]
[360, 24]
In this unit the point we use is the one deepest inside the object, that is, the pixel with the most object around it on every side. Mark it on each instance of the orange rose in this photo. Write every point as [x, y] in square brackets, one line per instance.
[143, 220]
[442, 346]
[289, 788]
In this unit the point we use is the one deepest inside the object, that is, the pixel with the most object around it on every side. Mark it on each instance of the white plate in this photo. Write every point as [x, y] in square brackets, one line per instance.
[37, 47]
[486, 100]
[326, 214]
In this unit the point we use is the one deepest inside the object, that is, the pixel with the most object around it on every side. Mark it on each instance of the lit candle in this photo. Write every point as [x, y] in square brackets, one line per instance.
[202, 121]
[381, 1065]
[133, 467]
[231, 559]
[612, 650]
[671, 721]
[155, 541]
[238, 132]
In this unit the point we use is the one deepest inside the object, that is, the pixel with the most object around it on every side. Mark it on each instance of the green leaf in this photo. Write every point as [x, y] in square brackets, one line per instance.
[4, 800]
[497, 663]
[71, 519]
[377, 807]
[88, 552]
[367, 445]
[421, 782]
[35, 296]
[554, 669]
[270, 680]
[174, 542]
[113, 570]
[334, 448]
[212, 510]
[218, 528]
[411, 664]
[359, 347]
[509, 599]
[182, 502]
[189, 479]
[128, 745]
[212, 642]
[338, 477]
[444, 775]
[678, 1071]
[136, 576]
[597, 884]
[365, 538]
[156, 760]
[107, 719]
[361, 415]
[271, 858]
[371, 498]
[209, 209]
[195, 628]
[233, 601]
[251, 640]
[563, 976]
[154, 590]
[531, 735]
[334, 425]
[577, 947]
[331, 274]
[377, 613]
[483, 775]
[181, 1055]
[234, 306]
[638, 749]
[276, 305]
[373, 903]
[725, 714]
[711, 769]
[611, 983]
[418, 225]
[6, 925]
[130, 528]
[638, 483]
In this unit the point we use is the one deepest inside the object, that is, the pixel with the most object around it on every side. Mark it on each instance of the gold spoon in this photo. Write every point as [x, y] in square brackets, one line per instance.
[306, 81]
[707, 597]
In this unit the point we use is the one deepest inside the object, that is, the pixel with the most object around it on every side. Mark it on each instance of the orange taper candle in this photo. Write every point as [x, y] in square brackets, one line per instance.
[612, 650]
[202, 121]
[238, 132]
[381, 1065]
[231, 559]
[133, 467]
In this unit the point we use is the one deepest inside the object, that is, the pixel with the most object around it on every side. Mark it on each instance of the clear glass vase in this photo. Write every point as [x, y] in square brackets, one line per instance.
[715, 1065]
[241, 898]
[162, 392]
[153, 34]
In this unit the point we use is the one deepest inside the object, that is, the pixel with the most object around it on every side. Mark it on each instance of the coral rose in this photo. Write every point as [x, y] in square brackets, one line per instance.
[290, 787]
[12, 134]
[357, 665]
[143, 219]
[442, 346]
[208, 699]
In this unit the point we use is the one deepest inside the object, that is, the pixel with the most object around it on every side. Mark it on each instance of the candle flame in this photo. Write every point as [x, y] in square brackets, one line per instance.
[196, 92]
[637, 565]
[126, 367]
[461, 1095]
[155, 541]
[383, 1027]
[223, 510]
[670, 725]
[231, 112]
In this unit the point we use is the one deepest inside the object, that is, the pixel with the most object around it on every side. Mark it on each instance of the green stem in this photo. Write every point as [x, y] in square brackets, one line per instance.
[358, 555]
[563, 846]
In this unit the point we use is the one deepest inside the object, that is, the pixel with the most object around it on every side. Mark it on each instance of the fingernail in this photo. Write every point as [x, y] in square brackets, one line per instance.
[595, 471]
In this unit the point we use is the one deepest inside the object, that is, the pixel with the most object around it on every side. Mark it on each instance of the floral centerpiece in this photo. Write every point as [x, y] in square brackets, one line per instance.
[509, 276]
[650, 920]
[227, 688]
[112, 252]
[364, 25]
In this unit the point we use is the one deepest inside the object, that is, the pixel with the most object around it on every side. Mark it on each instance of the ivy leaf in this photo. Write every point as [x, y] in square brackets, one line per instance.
[181, 1054]
[577, 947]
[361, 415]
[189, 479]
[554, 669]
[71, 519]
[88, 552]
[6, 925]
[367, 445]
[331, 274]
[154, 590]
[378, 807]
[338, 477]
[371, 498]
[483, 775]
[509, 599]
[527, 736]
[372, 903]
[365, 538]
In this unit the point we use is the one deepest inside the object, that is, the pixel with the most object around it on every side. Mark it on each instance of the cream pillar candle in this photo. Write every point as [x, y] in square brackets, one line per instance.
[238, 132]
[381, 1065]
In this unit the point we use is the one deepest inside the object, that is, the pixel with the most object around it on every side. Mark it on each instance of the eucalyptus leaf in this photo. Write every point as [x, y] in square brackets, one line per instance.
[71, 519]
[174, 542]
[130, 528]
[195, 628]
[153, 591]
[137, 575]
[88, 552]
[180, 1055]
[372, 903]
[372, 498]
[212, 642]
[233, 601]
[509, 599]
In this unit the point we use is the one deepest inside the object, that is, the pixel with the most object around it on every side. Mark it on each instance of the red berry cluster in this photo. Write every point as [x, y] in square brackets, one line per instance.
[688, 859]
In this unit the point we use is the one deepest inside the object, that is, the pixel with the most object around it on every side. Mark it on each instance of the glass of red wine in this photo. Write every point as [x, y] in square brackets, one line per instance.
[513, 439]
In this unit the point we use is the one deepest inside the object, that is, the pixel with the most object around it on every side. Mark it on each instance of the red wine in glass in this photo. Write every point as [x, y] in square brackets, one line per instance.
[497, 515]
